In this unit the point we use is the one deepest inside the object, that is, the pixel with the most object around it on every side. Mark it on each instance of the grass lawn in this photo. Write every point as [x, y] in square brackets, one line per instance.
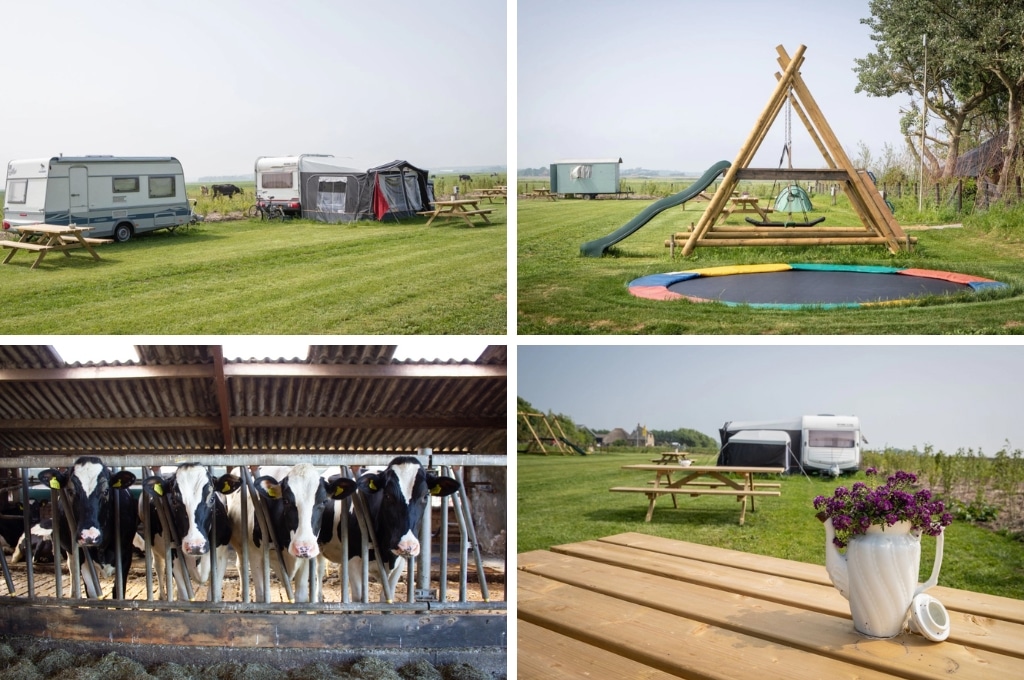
[552, 511]
[561, 292]
[248, 277]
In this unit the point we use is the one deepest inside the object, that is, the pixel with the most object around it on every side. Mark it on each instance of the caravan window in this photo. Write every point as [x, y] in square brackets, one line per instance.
[125, 185]
[835, 439]
[277, 180]
[161, 187]
[17, 190]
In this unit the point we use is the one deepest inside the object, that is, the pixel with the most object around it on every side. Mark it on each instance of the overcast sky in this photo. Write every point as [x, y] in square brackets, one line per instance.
[679, 84]
[947, 396]
[217, 84]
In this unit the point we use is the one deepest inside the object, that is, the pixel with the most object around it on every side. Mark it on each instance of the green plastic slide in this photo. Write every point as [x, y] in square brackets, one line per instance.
[597, 247]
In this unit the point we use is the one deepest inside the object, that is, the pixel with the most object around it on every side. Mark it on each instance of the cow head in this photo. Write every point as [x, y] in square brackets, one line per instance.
[89, 485]
[404, 487]
[296, 505]
[191, 499]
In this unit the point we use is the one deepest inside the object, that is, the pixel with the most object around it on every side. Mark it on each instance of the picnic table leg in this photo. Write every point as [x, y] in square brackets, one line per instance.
[650, 506]
[42, 254]
[668, 482]
[9, 255]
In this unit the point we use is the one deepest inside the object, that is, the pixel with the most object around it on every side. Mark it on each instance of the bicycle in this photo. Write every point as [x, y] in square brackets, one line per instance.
[267, 210]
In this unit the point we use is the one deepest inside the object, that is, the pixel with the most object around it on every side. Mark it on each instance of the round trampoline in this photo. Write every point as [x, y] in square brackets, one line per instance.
[795, 286]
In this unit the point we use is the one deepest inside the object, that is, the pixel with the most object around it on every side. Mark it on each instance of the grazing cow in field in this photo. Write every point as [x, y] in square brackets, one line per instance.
[91, 492]
[228, 190]
[465, 178]
[204, 190]
[295, 503]
[192, 498]
[396, 498]
[12, 519]
[41, 537]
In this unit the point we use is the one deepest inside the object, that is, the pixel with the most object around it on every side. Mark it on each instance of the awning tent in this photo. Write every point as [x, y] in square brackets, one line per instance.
[333, 193]
[758, 448]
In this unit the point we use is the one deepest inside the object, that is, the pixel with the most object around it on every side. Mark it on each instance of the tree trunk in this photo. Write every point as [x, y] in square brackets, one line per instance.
[1013, 107]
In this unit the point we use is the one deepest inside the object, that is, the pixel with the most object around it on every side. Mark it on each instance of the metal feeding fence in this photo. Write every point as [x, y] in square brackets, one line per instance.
[340, 409]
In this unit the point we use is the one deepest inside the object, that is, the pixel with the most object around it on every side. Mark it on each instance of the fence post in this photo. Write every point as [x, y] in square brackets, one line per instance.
[938, 196]
[960, 195]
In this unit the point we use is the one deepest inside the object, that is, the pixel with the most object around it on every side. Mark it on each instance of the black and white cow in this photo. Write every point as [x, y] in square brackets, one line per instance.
[295, 502]
[465, 178]
[228, 190]
[192, 496]
[91, 489]
[396, 498]
[41, 538]
[12, 519]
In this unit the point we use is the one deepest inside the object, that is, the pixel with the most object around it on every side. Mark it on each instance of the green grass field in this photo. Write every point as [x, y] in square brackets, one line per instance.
[565, 499]
[561, 292]
[248, 277]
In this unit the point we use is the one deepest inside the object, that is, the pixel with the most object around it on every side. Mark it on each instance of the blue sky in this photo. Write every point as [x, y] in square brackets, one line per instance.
[679, 84]
[950, 396]
[218, 84]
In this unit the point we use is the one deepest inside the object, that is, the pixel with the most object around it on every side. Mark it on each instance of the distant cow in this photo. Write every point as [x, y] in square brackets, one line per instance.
[41, 537]
[91, 490]
[204, 190]
[465, 178]
[12, 520]
[296, 504]
[192, 496]
[396, 499]
[228, 190]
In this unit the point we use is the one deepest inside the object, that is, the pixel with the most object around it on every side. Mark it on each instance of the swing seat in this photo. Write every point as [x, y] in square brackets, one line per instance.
[774, 223]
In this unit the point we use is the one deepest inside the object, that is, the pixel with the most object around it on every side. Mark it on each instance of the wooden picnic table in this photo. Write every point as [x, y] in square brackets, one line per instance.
[668, 457]
[492, 193]
[42, 238]
[638, 606]
[703, 480]
[745, 204]
[462, 208]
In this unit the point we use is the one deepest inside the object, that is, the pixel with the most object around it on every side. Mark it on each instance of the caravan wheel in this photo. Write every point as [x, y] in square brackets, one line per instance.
[122, 232]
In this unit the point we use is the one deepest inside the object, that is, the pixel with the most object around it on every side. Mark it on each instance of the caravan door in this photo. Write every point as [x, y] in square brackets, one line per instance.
[78, 198]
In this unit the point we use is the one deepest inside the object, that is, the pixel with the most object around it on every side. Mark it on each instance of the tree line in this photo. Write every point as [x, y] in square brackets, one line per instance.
[974, 80]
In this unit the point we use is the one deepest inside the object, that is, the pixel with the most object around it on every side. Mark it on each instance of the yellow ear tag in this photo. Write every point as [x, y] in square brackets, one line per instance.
[372, 485]
[273, 492]
[158, 489]
[226, 488]
[436, 491]
[54, 483]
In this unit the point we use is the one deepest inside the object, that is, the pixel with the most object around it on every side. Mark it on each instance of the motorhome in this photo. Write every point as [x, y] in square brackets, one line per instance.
[116, 196]
[821, 443]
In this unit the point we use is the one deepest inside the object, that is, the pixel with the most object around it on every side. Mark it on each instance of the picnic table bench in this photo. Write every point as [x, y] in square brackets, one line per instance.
[638, 606]
[42, 238]
[691, 484]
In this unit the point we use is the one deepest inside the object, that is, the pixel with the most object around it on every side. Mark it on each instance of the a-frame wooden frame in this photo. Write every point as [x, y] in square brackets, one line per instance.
[878, 227]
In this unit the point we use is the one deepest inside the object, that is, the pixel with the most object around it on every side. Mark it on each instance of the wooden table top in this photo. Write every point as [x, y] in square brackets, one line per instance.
[661, 467]
[458, 201]
[51, 228]
[638, 606]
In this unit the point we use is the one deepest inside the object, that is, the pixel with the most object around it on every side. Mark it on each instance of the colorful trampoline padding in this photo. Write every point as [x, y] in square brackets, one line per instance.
[796, 286]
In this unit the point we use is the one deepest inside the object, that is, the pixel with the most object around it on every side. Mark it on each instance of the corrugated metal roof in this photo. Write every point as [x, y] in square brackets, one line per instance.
[590, 161]
[186, 398]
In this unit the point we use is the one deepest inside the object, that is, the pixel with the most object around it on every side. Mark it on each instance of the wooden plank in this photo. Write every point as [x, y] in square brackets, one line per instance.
[978, 604]
[793, 174]
[546, 655]
[831, 241]
[824, 636]
[26, 245]
[652, 467]
[694, 492]
[674, 644]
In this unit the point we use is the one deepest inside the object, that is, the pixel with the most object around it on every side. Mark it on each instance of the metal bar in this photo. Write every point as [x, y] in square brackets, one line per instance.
[26, 515]
[442, 577]
[57, 557]
[32, 459]
[147, 538]
[243, 576]
[366, 526]
[118, 569]
[262, 514]
[343, 535]
[274, 607]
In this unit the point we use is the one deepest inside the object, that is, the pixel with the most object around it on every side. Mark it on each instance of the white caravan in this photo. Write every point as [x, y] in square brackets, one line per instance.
[116, 196]
[277, 179]
[826, 443]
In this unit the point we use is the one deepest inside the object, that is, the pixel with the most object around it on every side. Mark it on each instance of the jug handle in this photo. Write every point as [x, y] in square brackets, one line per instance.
[936, 566]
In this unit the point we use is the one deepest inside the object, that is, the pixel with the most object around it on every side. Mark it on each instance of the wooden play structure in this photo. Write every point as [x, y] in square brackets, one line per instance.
[878, 227]
[559, 443]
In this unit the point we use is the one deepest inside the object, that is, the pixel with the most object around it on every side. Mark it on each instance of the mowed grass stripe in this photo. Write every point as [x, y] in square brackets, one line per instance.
[252, 277]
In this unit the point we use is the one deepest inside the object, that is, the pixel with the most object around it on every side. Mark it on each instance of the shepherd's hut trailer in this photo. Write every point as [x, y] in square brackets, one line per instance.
[587, 178]
[316, 187]
[824, 443]
[117, 196]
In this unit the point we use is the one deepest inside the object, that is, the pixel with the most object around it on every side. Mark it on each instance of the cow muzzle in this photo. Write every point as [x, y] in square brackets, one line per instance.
[89, 537]
[407, 547]
[195, 547]
[304, 550]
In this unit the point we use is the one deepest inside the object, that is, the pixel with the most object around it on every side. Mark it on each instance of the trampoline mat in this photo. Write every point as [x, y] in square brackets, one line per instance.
[812, 287]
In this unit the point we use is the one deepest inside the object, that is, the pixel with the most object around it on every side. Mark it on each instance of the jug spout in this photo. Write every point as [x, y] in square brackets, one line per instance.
[835, 562]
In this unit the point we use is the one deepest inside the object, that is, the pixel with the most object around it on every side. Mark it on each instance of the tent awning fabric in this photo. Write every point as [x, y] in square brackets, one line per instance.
[331, 193]
[776, 437]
